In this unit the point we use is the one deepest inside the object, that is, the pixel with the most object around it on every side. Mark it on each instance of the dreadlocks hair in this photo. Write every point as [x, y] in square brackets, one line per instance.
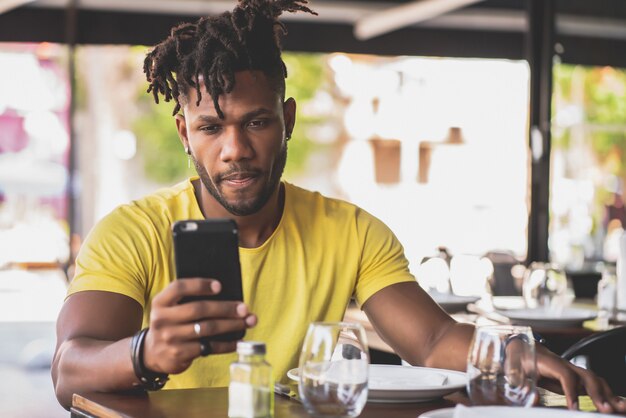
[214, 48]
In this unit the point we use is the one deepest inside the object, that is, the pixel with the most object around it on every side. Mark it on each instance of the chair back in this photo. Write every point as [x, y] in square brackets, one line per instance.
[503, 283]
[605, 354]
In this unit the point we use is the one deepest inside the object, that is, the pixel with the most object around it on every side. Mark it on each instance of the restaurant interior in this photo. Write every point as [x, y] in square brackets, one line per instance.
[488, 135]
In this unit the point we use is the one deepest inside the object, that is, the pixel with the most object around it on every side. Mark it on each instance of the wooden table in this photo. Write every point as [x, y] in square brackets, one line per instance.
[213, 403]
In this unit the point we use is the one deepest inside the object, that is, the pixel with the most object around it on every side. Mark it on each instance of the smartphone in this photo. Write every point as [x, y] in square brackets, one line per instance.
[210, 248]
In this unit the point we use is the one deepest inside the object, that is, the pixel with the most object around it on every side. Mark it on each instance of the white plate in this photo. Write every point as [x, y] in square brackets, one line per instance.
[452, 303]
[513, 412]
[393, 384]
[508, 302]
[566, 317]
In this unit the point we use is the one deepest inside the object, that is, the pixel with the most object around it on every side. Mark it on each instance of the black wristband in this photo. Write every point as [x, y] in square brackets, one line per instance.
[539, 338]
[148, 379]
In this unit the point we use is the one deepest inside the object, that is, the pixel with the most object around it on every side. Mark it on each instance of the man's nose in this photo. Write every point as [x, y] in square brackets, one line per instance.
[236, 146]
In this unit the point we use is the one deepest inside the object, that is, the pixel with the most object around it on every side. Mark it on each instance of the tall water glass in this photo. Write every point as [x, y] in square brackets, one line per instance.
[334, 366]
[501, 366]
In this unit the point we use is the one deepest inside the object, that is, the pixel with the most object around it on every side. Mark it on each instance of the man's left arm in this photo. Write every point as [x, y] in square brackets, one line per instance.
[421, 333]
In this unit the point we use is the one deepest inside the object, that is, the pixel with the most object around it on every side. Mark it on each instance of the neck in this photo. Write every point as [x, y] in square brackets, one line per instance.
[254, 229]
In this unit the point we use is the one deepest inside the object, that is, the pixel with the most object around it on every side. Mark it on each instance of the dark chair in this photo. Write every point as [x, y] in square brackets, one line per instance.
[503, 283]
[605, 354]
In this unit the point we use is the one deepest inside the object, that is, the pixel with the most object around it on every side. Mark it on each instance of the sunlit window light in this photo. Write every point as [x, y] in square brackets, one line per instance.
[47, 130]
[124, 145]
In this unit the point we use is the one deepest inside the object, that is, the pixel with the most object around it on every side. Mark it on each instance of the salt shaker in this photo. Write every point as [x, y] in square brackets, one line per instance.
[250, 392]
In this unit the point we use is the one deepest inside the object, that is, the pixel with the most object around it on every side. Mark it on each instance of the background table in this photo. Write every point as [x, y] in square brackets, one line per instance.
[557, 339]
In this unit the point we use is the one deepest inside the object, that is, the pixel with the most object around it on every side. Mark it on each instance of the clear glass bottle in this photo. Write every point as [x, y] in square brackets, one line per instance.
[251, 389]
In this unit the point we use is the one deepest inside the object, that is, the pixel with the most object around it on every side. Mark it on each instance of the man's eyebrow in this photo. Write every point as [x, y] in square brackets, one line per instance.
[258, 112]
[246, 116]
[208, 119]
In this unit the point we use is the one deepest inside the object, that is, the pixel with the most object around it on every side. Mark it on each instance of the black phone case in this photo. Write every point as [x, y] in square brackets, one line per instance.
[210, 248]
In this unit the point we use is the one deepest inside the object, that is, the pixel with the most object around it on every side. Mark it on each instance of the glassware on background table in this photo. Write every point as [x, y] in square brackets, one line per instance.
[333, 369]
[501, 366]
[469, 275]
[545, 286]
[607, 296]
[433, 275]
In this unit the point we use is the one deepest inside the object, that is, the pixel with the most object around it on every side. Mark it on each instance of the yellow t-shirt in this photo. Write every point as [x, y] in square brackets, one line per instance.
[323, 252]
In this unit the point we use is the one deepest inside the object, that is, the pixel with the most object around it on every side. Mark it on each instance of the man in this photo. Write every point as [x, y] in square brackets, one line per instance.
[302, 255]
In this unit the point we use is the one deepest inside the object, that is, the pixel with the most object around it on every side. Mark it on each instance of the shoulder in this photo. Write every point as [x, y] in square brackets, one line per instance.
[314, 205]
[303, 199]
[163, 205]
[166, 201]
[147, 215]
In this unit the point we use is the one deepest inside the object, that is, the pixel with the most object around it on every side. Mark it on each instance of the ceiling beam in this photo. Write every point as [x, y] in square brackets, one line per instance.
[405, 15]
[328, 11]
[6, 5]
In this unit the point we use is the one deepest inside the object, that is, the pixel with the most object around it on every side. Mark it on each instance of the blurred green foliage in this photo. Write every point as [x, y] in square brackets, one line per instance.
[158, 144]
[163, 156]
[305, 76]
[600, 94]
[603, 106]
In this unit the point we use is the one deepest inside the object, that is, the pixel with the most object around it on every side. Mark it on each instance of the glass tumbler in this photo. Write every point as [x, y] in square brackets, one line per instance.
[334, 366]
[545, 286]
[501, 366]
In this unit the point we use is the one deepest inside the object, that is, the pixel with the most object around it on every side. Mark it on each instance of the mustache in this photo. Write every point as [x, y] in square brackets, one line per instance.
[238, 171]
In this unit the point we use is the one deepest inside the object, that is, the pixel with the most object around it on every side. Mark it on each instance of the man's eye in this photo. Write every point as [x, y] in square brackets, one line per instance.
[257, 123]
[210, 129]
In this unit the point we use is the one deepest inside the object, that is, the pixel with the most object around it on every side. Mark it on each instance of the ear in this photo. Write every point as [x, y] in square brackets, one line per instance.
[289, 113]
[181, 127]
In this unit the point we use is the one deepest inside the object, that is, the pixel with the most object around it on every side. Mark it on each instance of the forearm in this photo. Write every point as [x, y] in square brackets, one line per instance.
[90, 365]
[450, 348]
[417, 329]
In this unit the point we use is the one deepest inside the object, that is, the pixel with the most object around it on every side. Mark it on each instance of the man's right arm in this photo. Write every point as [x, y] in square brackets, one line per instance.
[94, 330]
[93, 344]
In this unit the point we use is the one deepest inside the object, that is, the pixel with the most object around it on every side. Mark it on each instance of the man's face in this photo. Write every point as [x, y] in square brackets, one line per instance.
[240, 159]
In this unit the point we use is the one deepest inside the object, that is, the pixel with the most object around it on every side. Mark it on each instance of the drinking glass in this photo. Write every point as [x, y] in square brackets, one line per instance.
[607, 297]
[545, 286]
[334, 366]
[501, 366]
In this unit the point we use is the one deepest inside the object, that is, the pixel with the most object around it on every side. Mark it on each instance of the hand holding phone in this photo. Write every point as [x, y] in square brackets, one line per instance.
[210, 249]
[172, 342]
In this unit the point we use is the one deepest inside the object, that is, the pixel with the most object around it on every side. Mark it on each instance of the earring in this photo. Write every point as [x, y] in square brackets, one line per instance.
[288, 136]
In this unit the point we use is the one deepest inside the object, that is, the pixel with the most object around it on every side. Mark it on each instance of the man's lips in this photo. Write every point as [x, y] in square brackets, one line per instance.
[240, 179]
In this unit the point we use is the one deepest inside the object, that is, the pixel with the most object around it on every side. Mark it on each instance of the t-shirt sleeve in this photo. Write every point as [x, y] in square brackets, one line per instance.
[383, 262]
[116, 256]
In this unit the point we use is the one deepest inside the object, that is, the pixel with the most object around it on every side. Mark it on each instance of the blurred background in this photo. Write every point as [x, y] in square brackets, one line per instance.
[428, 126]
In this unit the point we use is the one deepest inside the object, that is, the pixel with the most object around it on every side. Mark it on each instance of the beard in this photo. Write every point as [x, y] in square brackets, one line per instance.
[244, 207]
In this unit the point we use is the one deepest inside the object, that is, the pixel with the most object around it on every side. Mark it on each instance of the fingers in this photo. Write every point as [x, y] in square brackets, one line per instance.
[199, 310]
[173, 340]
[215, 347]
[180, 356]
[600, 393]
[569, 384]
[178, 289]
[207, 328]
[616, 403]
[551, 366]
[619, 404]
[596, 387]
